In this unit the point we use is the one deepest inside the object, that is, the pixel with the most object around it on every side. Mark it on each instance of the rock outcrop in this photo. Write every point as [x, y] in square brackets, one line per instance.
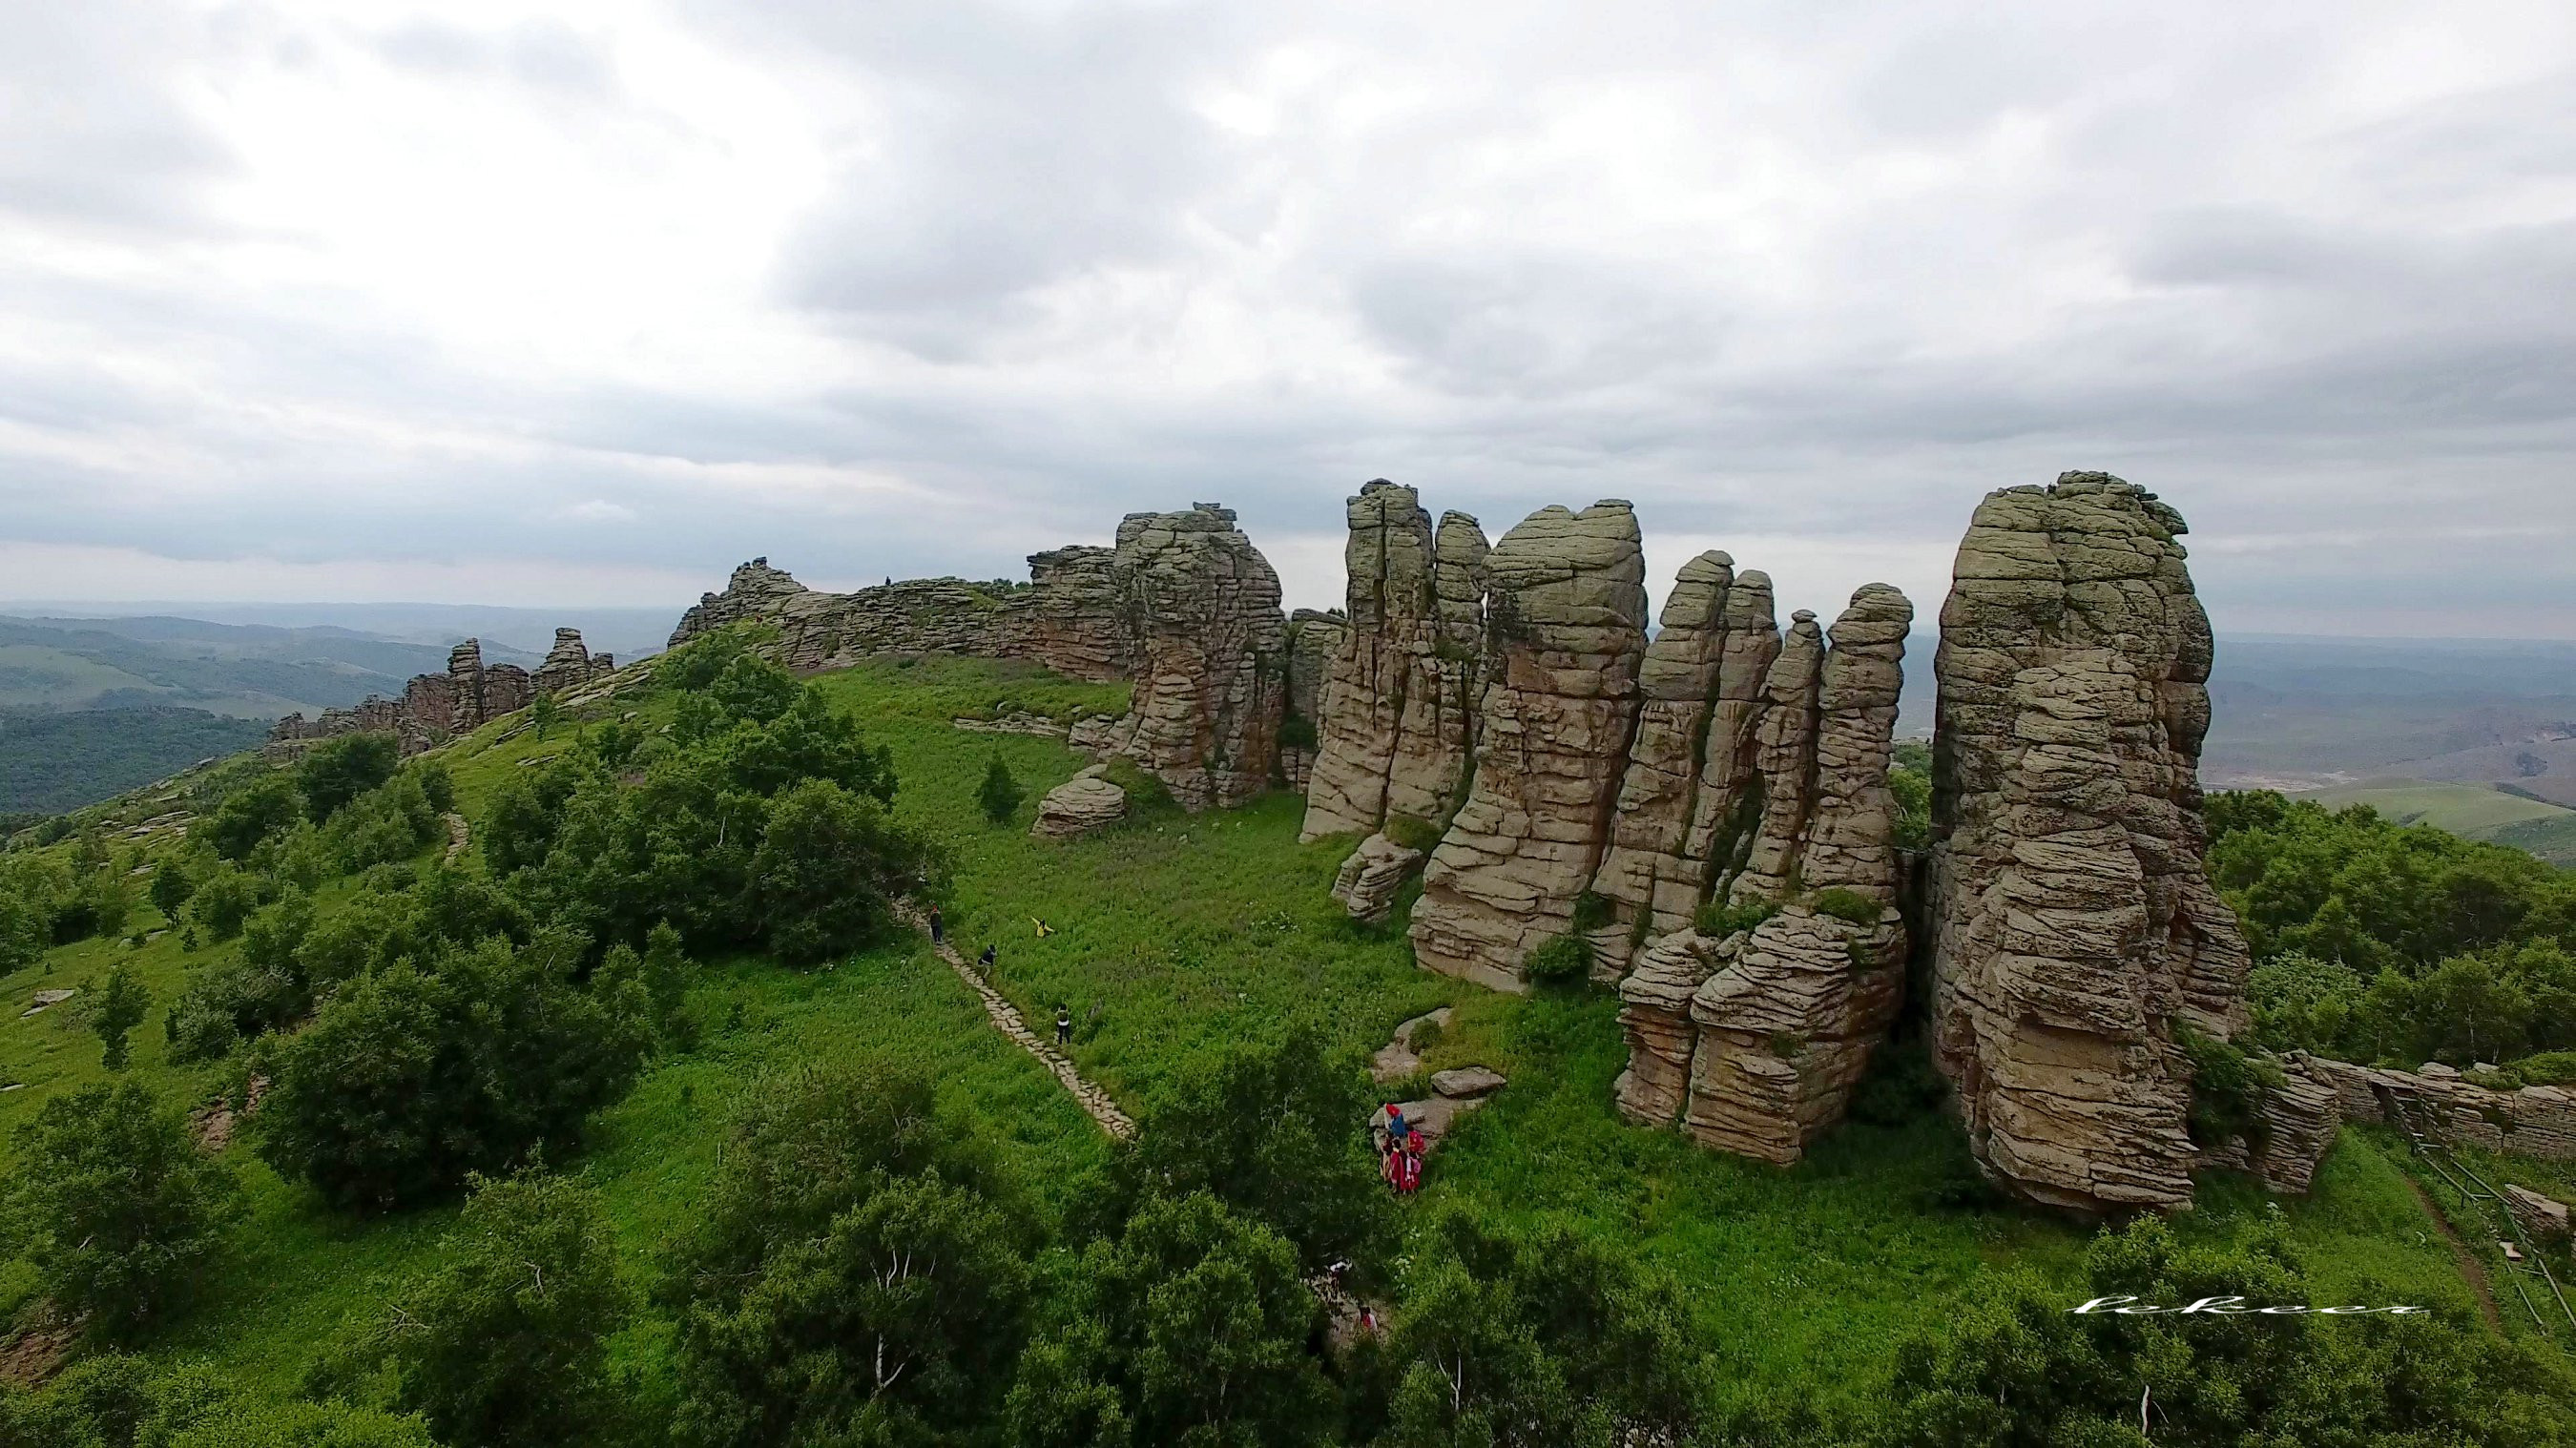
[2077, 936]
[1373, 876]
[1687, 802]
[1398, 711]
[568, 665]
[435, 708]
[1755, 1041]
[2537, 1121]
[1566, 633]
[1080, 805]
[1314, 637]
[1183, 605]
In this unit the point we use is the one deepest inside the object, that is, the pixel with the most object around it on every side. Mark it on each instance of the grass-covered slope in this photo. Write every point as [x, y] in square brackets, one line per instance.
[1175, 937]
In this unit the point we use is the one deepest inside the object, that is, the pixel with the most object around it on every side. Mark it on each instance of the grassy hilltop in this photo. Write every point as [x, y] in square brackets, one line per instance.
[1177, 939]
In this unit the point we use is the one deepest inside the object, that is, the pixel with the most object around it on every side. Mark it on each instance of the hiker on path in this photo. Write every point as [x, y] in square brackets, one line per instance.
[986, 959]
[1064, 1025]
[937, 934]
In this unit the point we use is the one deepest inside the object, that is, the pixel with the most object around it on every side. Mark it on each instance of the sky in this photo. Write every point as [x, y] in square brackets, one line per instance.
[550, 303]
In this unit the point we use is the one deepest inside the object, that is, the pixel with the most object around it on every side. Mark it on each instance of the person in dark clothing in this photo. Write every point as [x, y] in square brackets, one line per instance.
[1064, 1025]
[937, 930]
[986, 959]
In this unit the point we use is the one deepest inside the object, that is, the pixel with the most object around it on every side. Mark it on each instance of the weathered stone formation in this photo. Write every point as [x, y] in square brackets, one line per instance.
[568, 665]
[435, 708]
[2537, 1121]
[1755, 1040]
[1080, 805]
[1684, 803]
[1371, 878]
[1211, 676]
[2077, 936]
[1566, 633]
[1314, 636]
[1183, 605]
[2294, 1124]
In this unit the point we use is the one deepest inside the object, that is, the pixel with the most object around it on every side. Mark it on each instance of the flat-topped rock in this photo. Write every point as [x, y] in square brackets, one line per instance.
[1398, 1058]
[1466, 1083]
[1080, 805]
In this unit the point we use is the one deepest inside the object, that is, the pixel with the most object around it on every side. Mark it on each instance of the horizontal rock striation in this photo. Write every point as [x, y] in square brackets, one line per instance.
[1396, 714]
[1565, 635]
[1371, 878]
[2076, 934]
[435, 708]
[1753, 1042]
[1182, 605]
[2537, 1121]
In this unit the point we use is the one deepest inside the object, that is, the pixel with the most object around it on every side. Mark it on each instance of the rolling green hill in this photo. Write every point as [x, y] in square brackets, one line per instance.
[2471, 811]
[1176, 938]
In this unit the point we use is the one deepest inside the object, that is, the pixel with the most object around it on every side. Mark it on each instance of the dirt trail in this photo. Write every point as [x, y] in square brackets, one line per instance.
[1007, 1017]
[2470, 1266]
[459, 835]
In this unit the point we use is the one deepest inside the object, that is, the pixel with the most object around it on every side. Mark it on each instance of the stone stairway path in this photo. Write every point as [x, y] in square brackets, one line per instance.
[459, 835]
[1006, 1017]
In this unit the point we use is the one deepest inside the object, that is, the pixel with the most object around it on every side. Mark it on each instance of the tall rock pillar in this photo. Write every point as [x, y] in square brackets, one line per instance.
[2076, 933]
[1565, 635]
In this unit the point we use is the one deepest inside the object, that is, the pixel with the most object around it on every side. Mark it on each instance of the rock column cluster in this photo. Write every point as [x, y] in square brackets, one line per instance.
[1398, 711]
[1565, 636]
[2077, 936]
[1808, 977]
[434, 708]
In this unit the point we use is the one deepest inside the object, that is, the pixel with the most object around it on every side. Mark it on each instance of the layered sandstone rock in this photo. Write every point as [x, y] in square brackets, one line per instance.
[435, 708]
[1370, 879]
[2537, 1121]
[1314, 637]
[1211, 674]
[1651, 884]
[1183, 605]
[2076, 934]
[1786, 1022]
[1654, 1012]
[568, 665]
[1566, 634]
[1080, 805]
[1390, 605]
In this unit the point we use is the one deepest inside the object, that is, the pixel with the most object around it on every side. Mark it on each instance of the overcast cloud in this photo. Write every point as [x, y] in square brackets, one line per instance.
[529, 304]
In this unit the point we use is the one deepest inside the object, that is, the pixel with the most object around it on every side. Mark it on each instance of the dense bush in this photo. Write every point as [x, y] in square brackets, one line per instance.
[1000, 795]
[341, 768]
[116, 1401]
[1191, 1325]
[1548, 1339]
[264, 807]
[506, 1342]
[2018, 1369]
[469, 1059]
[858, 1272]
[115, 1207]
[1562, 960]
[1273, 1131]
[2376, 941]
[752, 753]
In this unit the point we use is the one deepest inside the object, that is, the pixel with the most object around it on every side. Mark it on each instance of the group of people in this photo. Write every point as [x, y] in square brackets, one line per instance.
[1400, 1147]
[1063, 1010]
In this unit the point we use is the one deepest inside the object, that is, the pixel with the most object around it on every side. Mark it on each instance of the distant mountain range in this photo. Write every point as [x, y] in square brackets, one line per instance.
[92, 706]
[2493, 717]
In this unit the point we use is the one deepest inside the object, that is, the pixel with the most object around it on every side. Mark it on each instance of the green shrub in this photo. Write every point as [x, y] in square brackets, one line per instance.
[1847, 905]
[1564, 960]
[114, 1205]
[1717, 919]
[2228, 1087]
[339, 769]
[1412, 832]
[1000, 794]
[1296, 731]
[1592, 910]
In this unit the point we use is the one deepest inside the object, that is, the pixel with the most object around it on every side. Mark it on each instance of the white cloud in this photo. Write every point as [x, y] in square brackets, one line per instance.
[625, 292]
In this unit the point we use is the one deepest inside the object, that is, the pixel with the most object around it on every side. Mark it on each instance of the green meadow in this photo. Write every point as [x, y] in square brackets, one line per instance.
[1172, 937]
